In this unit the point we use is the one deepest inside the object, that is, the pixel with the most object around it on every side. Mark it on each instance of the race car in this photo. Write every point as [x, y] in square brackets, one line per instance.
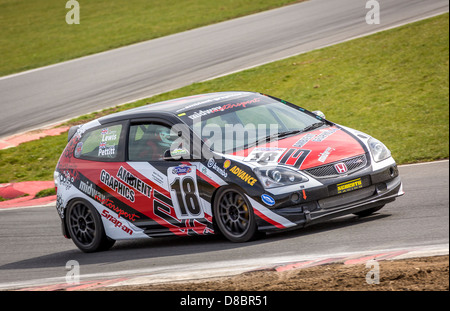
[234, 163]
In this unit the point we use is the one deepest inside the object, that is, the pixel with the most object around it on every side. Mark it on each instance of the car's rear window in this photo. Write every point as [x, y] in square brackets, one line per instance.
[101, 144]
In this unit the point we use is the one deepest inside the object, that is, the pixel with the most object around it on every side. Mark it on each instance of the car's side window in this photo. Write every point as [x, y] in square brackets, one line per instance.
[101, 144]
[148, 142]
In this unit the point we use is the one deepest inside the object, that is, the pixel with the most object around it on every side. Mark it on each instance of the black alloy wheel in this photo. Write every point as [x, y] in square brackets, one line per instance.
[234, 215]
[86, 228]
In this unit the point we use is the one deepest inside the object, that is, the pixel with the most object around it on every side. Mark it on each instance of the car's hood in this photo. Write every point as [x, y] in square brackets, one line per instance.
[306, 150]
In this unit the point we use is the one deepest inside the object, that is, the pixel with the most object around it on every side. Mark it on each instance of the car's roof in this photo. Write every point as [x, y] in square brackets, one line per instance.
[177, 105]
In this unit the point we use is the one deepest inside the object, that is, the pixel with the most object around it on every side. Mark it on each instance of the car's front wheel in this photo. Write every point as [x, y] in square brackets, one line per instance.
[86, 228]
[234, 215]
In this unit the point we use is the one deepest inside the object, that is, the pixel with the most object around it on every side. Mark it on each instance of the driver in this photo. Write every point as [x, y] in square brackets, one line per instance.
[162, 140]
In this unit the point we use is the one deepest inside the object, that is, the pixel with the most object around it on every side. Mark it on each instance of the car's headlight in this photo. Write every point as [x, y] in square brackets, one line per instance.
[277, 176]
[379, 151]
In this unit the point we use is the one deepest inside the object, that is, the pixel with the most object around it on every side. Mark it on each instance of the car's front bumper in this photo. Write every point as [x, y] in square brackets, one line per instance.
[380, 188]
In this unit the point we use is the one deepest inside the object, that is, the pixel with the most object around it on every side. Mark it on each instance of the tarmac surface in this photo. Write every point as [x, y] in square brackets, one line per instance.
[62, 91]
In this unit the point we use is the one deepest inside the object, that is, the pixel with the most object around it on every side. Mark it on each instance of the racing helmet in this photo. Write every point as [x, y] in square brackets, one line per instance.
[164, 135]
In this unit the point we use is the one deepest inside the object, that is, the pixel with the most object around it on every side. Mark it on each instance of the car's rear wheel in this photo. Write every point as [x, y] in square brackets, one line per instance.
[86, 228]
[234, 215]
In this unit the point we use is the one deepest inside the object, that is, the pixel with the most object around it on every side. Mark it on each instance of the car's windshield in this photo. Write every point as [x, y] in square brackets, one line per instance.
[247, 121]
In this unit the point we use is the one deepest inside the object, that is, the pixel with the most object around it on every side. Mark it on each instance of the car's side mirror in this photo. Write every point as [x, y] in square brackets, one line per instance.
[319, 113]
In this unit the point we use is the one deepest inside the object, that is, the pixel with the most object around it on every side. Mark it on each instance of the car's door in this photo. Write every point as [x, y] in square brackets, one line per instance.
[162, 171]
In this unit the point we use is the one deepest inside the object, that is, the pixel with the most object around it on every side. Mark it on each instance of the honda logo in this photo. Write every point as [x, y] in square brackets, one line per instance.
[341, 168]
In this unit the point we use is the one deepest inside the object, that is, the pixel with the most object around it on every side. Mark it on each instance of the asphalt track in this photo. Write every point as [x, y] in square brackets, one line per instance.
[47, 95]
[33, 251]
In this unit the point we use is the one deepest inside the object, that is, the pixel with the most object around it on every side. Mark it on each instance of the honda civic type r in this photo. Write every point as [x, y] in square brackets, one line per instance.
[235, 163]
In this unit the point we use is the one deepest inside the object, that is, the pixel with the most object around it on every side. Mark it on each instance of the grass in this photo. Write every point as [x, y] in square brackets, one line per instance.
[35, 160]
[2, 199]
[393, 85]
[35, 33]
[45, 193]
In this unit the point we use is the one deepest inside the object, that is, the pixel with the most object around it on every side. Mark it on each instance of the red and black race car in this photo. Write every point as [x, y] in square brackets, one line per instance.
[237, 163]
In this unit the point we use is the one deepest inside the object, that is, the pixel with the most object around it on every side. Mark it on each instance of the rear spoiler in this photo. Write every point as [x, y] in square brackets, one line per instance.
[72, 131]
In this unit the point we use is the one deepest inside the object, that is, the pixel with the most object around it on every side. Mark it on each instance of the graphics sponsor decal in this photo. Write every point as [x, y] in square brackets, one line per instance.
[209, 111]
[104, 150]
[349, 185]
[134, 182]
[90, 189]
[149, 172]
[179, 152]
[211, 100]
[67, 178]
[268, 199]
[294, 157]
[184, 192]
[322, 136]
[110, 204]
[80, 131]
[304, 140]
[108, 135]
[108, 143]
[117, 223]
[60, 205]
[101, 196]
[202, 113]
[162, 207]
[265, 155]
[204, 171]
[181, 170]
[158, 178]
[242, 104]
[212, 164]
[243, 175]
[117, 186]
[324, 155]
[226, 164]
[269, 216]
[78, 149]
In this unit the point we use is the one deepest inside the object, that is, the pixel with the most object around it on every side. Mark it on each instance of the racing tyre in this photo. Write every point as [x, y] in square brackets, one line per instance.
[86, 228]
[369, 211]
[234, 215]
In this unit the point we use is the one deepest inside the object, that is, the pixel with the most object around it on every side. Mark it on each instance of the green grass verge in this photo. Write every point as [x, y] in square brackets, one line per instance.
[45, 193]
[35, 33]
[2, 199]
[393, 85]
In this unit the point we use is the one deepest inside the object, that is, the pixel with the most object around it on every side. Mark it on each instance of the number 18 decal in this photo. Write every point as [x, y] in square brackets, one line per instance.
[184, 192]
